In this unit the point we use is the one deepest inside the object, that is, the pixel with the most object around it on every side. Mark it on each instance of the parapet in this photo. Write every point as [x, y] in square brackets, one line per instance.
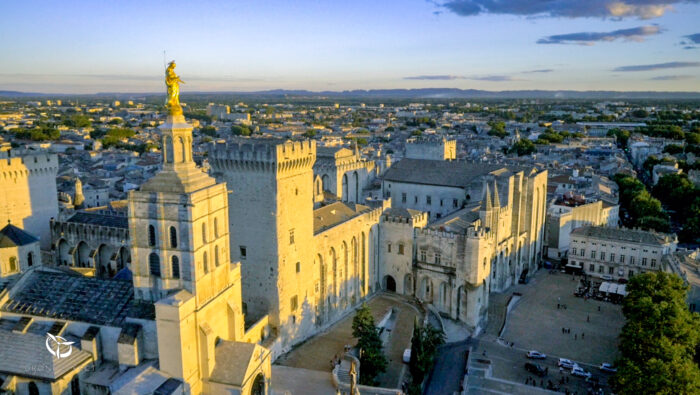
[263, 153]
[29, 165]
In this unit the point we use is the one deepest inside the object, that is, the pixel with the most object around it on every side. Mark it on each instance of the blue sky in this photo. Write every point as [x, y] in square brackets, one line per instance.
[117, 46]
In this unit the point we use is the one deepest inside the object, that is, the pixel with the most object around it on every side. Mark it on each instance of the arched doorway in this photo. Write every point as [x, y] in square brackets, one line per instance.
[258, 385]
[33, 389]
[82, 255]
[122, 258]
[389, 283]
[325, 180]
[104, 255]
[426, 290]
[64, 257]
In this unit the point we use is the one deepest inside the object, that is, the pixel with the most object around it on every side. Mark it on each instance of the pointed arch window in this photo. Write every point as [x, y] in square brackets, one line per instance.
[173, 237]
[206, 262]
[175, 266]
[216, 228]
[204, 233]
[151, 235]
[216, 255]
[154, 264]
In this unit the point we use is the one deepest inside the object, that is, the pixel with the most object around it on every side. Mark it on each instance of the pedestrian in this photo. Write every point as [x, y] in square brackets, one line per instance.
[588, 318]
[582, 335]
[575, 335]
[557, 306]
[563, 330]
[598, 308]
[483, 353]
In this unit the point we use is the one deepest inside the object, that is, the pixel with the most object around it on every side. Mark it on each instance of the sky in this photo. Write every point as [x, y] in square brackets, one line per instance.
[94, 46]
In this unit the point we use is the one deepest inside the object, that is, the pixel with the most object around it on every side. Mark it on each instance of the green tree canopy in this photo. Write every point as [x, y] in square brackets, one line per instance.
[659, 339]
[241, 130]
[523, 147]
[372, 360]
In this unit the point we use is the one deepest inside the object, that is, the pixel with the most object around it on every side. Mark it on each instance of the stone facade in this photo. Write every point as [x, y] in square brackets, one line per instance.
[28, 195]
[436, 148]
[620, 253]
[343, 173]
[563, 218]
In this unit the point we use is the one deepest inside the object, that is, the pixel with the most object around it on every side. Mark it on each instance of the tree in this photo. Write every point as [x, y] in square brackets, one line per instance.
[673, 149]
[78, 121]
[659, 338]
[424, 347]
[372, 360]
[498, 128]
[523, 147]
[208, 130]
[310, 133]
[241, 130]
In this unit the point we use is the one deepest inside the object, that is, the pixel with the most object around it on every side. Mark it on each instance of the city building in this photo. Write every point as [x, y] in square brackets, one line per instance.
[618, 253]
[433, 148]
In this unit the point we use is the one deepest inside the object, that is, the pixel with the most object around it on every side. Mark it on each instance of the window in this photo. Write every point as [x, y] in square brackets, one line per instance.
[173, 237]
[298, 267]
[244, 252]
[205, 261]
[437, 258]
[440, 202]
[415, 199]
[601, 269]
[216, 228]
[423, 257]
[622, 259]
[593, 254]
[455, 203]
[154, 264]
[631, 273]
[403, 197]
[428, 200]
[611, 270]
[291, 236]
[631, 260]
[612, 257]
[653, 263]
[602, 256]
[30, 259]
[388, 247]
[151, 235]
[293, 303]
[591, 268]
[216, 255]
[644, 261]
[583, 252]
[13, 264]
[175, 266]
[204, 233]
[400, 248]
[573, 251]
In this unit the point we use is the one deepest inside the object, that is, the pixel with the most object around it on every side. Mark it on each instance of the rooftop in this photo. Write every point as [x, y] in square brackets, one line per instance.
[12, 236]
[624, 234]
[334, 214]
[76, 298]
[100, 219]
[443, 173]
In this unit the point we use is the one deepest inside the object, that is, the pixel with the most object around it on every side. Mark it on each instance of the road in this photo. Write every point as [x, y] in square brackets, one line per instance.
[449, 368]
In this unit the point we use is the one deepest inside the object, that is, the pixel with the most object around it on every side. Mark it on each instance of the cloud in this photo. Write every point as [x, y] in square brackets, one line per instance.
[694, 38]
[671, 77]
[642, 9]
[495, 78]
[589, 38]
[538, 71]
[657, 66]
[435, 77]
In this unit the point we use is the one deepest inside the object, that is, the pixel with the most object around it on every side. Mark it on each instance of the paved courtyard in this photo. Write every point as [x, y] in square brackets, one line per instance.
[536, 323]
[317, 352]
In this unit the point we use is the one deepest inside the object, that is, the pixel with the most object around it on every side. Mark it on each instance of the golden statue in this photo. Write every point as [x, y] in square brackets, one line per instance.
[172, 82]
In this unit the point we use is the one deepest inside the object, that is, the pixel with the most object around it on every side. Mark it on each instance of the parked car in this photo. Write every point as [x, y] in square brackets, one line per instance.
[532, 354]
[535, 369]
[407, 355]
[578, 371]
[566, 363]
[607, 277]
[608, 368]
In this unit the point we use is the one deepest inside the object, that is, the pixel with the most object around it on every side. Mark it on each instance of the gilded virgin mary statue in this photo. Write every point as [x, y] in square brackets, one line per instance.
[172, 82]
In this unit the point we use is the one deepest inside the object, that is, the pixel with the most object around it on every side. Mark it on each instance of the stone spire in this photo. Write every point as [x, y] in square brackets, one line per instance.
[486, 201]
[496, 200]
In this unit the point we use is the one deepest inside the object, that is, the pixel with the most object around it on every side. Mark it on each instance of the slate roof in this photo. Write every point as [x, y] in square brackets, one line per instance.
[438, 172]
[334, 214]
[12, 236]
[112, 221]
[624, 234]
[76, 298]
[458, 223]
[401, 212]
[25, 355]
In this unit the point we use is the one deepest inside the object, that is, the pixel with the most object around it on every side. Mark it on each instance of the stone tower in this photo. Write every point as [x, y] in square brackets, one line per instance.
[178, 222]
[78, 199]
[271, 221]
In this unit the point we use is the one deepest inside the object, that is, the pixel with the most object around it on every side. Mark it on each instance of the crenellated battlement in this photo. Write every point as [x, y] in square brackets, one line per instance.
[263, 155]
[28, 165]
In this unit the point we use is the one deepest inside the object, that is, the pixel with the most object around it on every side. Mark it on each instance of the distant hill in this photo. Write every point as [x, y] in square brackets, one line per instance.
[426, 93]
